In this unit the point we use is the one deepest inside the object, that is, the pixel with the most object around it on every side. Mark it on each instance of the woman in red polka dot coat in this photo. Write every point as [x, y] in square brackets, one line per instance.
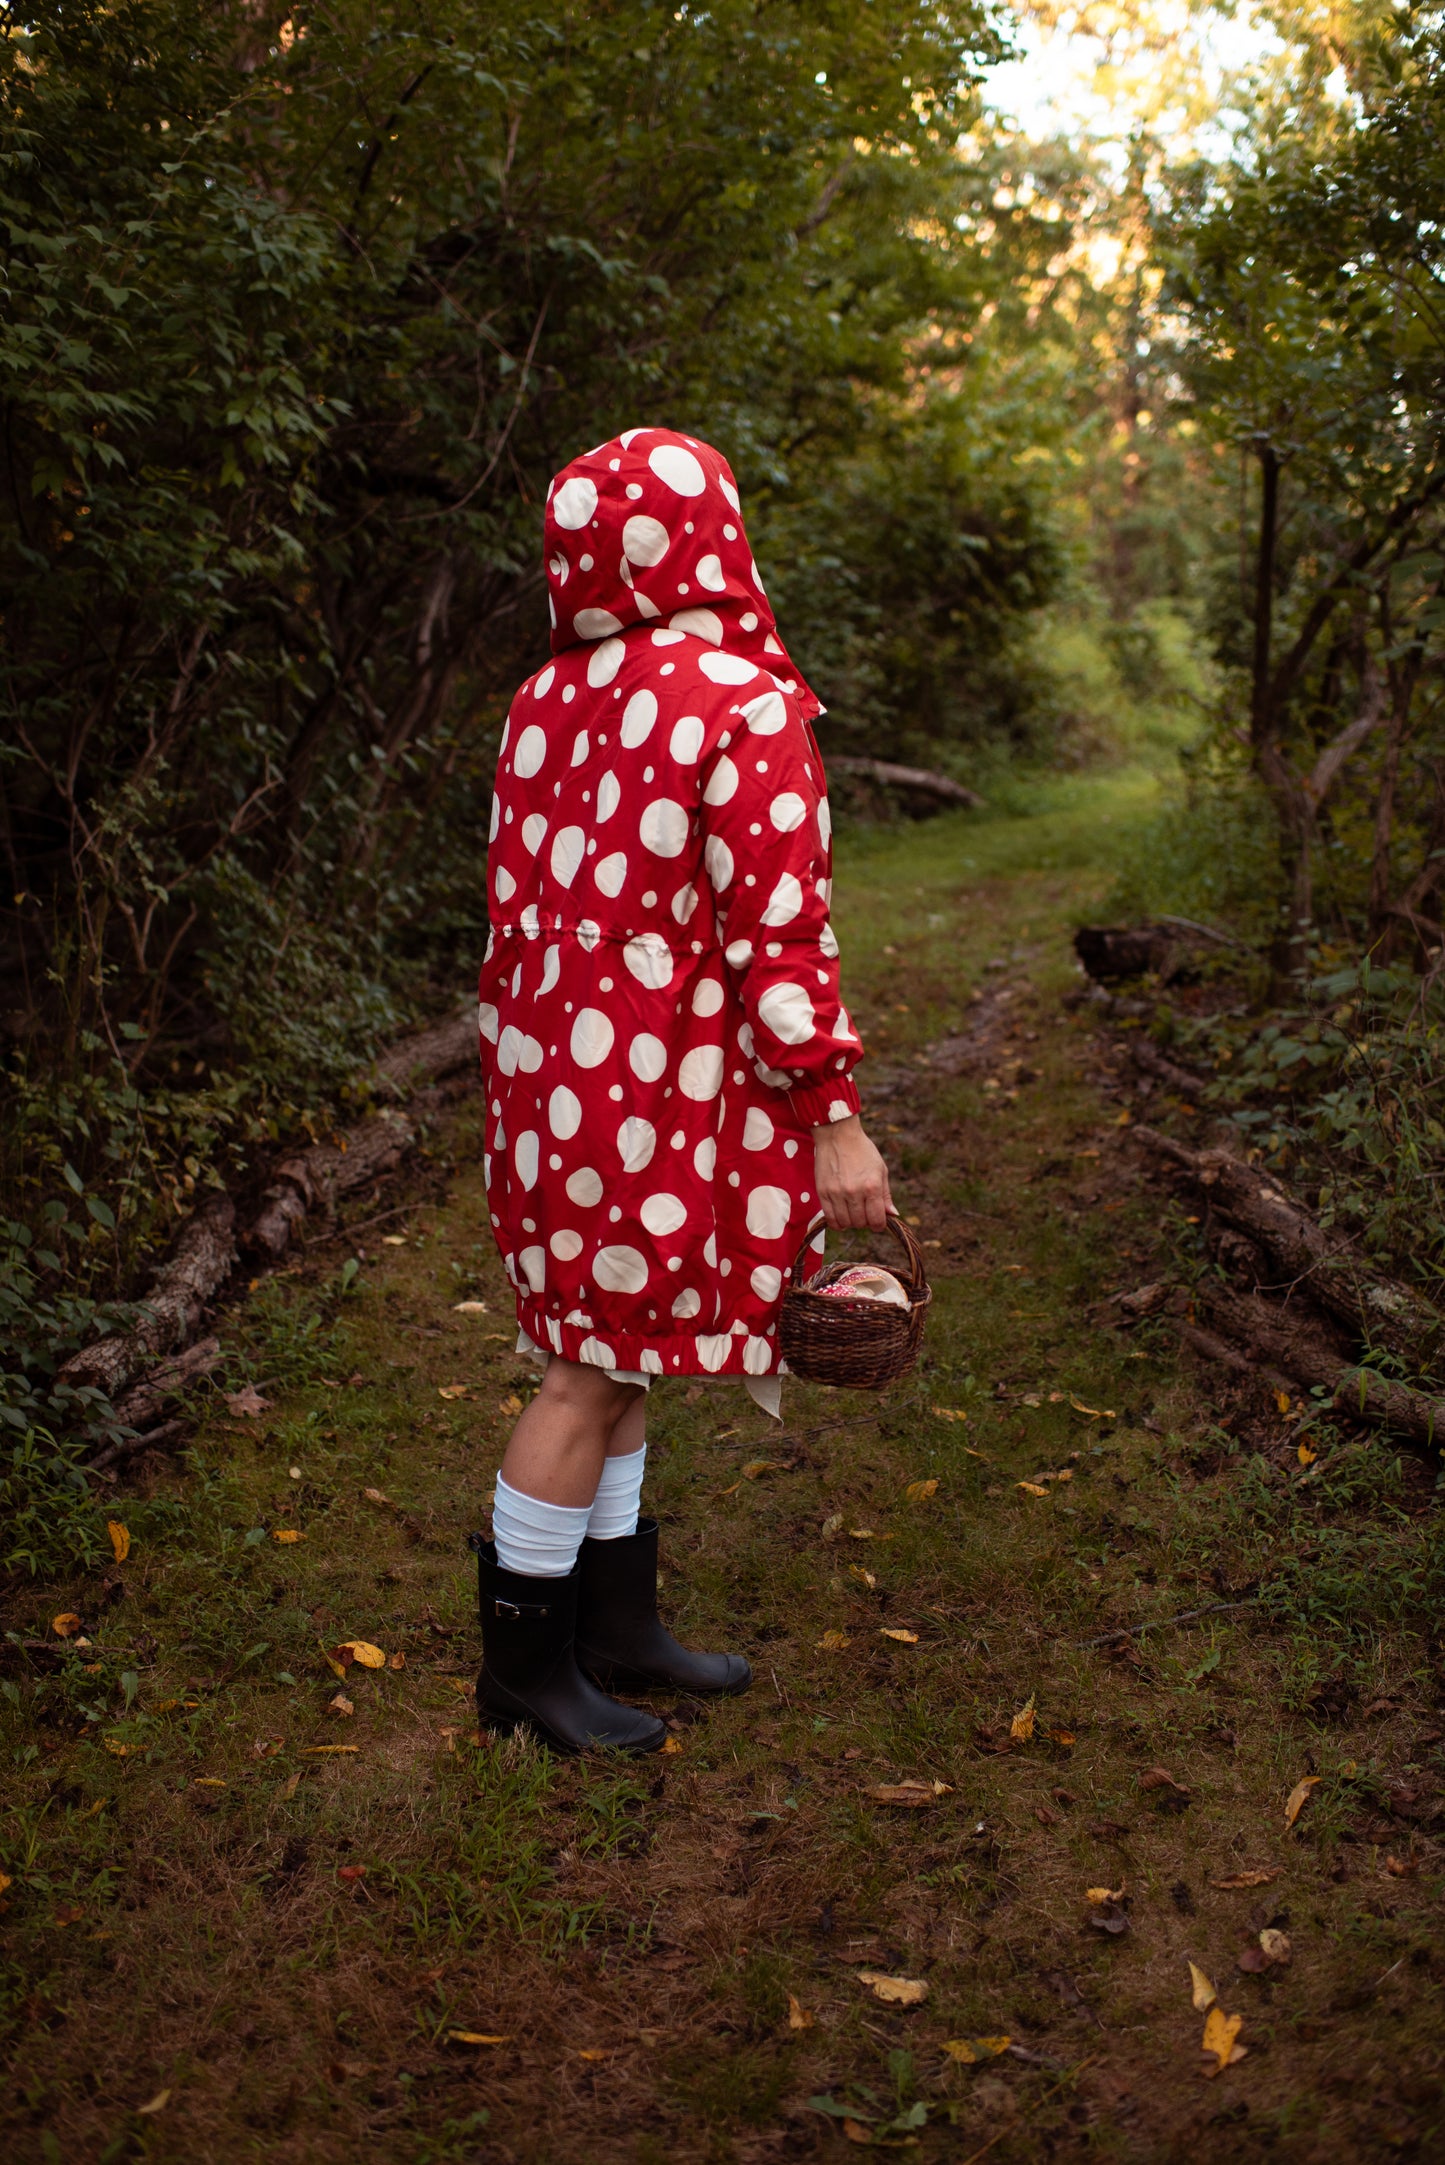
[667, 1061]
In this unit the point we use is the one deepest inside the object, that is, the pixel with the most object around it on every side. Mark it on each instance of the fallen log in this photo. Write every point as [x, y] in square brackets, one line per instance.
[169, 1313]
[1110, 952]
[325, 1173]
[922, 781]
[1380, 1311]
[1182, 1080]
[1288, 1340]
[168, 1381]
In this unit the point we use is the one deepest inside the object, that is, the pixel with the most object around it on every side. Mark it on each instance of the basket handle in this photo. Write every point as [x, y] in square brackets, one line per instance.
[917, 1280]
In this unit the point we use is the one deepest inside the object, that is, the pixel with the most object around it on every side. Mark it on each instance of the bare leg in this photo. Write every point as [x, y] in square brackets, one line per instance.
[630, 1434]
[558, 1445]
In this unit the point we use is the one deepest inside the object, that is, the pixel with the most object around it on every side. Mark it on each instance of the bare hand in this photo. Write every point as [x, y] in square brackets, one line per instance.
[851, 1175]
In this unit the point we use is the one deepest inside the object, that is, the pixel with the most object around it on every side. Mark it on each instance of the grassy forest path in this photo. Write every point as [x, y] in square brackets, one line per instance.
[263, 1910]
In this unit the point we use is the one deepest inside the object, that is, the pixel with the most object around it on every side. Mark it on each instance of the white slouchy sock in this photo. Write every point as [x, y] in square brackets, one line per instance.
[538, 1540]
[619, 1496]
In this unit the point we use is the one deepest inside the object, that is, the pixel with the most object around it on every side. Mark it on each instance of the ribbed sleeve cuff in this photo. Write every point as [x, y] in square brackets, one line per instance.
[817, 1105]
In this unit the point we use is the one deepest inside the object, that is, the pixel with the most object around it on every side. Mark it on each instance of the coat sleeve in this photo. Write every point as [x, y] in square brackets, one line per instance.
[768, 856]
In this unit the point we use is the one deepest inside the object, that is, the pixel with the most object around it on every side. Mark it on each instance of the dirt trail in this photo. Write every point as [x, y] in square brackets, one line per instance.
[250, 1922]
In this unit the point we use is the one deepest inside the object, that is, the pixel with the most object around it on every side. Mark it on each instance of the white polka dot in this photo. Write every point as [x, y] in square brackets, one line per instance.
[739, 953]
[531, 751]
[722, 783]
[828, 943]
[534, 1268]
[534, 828]
[596, 623]
[784, 902]
[524, 1156]
[787, 811]
[584, 1188]
[663, 828]
[662, 1214]
[687, 1304]
[496, 819]
[575, 502]
[543, 683]
[551, 971]
[509, 1044]
[767, 714]
[825, 822]
[592, 1036]
[709, 1251]
[767, 1213]
[604, 662]
[719, 861]
[684, 902]
[638, 716]
[596, 1353]
[636, 1141]
[725, 668]
[700, 1073]
[704, 1158]
[649, 958]
[647, 1057]
[707, 996]
[711, 575]
[559, 568]
[644, 540]
[757, 1357]
[729, 491]
[589, 932]
[580, 747]
[567, 1246]
[788, 1013]
[767, 1282]
[713, 1351]
[677, 467]
[568, 849]
[564, 1113]
[686, 740]
[748, 620]
[611, 873]
[757, 578]
[529, 1056]
[757, 1129]
[702, 624]
[609, 796]
[620, 1270]
[487, 1021]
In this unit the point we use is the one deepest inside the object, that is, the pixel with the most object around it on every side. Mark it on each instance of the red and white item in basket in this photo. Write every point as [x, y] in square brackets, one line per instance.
[866, 1282]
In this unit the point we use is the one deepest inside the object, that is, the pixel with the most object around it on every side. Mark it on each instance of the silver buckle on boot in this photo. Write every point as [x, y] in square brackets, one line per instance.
[515, 1608]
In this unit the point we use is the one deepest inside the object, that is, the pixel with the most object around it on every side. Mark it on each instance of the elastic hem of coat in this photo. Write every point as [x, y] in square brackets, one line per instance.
[766, 1392]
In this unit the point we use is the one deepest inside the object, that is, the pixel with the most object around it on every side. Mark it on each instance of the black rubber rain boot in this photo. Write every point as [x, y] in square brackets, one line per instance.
[529, 1671]
[621, 1640]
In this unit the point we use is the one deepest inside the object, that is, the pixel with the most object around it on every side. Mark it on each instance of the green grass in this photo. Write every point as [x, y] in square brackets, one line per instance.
[178, 1920]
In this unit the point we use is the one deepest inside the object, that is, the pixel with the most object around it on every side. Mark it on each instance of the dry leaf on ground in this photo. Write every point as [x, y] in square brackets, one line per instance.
[119, 1539]
[971, 2051]
[379, 1496]
[456, 1390]
[362, 1651]
[474, 2037]
[1275, 1946]
[286, 1535]
[590, 2052]
[65, 1626]
[511, 1405]
[949, 1413]
[247, 1403]
[208, 1781]
[832, 1525]
[1299, 1797]
[912, 1795]
[858, 1571]
[1220, 2033]
[1161, 1778]
[1204, 1994]
[1281, 1401]
[340, 1705]
[1095, 1413]
[799, 2017]
[1307, 1453]
[396, 1661]
[920, 1491]
[856, 2131]
[861, 1533]
[1099, 1895]
[1231, 1880]
[1031, 1488]
[833, 1642]
[158, 2103]
[894, 1991]
[318, 1751]
[904, 1638]
[671, 1746]
[1021, 1728]
[757, 1467]
[470, 1308]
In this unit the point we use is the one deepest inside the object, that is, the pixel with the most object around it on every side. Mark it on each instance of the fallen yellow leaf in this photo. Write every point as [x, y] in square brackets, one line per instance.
[460, 1684]
[158, 2103]
[1031, 1488]
[894, 1991]
[969, 1452]
[1220, 2032]
[857, 2131]
[904, 1638]
[6, 1882]
[65, 1626]
[511, 1405]
[833, 1642]
[1307, 1453]
[969, 2051]
[362, 1650]
[671, 1747]
[459, 1390]
[832, 1525]
[1095, 1413]
[341, 1705]
[590, 2052]
[1281, 1401]
[379, 1496]
[286, 1535]
[1275, 1946]
[119, 1539]
[949, 1413]
[118, 1750]
[1245, 1879]
[393, 1240]
[1021, 1728]
[318, 1751]
[913, 1795]
[799, 2017]
[920, 1491]
[860, 1533]
[291, 1784]
[208, 1781]
[757, 1467]
[1204, 1994]
[474, 2037]
[1299, 1797]
[1099, 1895]
[866, 1578]
[396, 1661]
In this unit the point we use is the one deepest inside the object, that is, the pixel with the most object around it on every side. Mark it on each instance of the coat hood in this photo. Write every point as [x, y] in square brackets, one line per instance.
[647, 529]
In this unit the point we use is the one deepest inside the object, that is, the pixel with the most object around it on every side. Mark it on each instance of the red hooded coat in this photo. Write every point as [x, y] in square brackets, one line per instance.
[660, 1019]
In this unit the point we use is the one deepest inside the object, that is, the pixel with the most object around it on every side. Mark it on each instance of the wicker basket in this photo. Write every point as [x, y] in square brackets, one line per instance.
[857, 1344]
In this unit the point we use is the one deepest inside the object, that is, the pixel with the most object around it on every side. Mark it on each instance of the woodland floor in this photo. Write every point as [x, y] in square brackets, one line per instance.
[242, 1926]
